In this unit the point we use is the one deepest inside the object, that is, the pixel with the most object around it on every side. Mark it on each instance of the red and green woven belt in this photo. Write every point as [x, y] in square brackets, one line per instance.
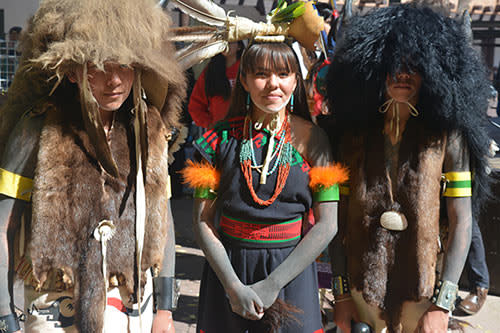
[262, 233]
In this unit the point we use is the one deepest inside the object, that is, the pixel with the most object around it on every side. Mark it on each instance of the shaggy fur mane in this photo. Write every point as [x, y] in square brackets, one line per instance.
[454, 91]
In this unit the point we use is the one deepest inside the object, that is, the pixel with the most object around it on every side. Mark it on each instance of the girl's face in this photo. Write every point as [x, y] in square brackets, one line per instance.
[270, 90]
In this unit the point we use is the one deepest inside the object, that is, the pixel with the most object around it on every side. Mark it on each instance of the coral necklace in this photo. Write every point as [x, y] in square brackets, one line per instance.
[283, 160]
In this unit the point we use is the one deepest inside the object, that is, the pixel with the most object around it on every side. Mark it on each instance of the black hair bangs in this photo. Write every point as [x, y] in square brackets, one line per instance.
[273, 57]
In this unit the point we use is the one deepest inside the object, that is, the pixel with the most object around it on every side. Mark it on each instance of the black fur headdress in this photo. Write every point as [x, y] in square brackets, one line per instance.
[454, 90]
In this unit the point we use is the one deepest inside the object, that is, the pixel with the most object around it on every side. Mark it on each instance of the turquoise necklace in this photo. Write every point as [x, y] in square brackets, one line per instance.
[283, 151]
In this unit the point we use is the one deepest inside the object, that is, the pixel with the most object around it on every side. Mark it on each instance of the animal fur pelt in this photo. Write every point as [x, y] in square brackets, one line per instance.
[72, 195]
[375, 255]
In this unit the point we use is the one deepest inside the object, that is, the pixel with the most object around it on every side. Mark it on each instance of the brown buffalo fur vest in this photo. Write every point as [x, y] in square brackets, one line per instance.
[72, 194]
[391, 267]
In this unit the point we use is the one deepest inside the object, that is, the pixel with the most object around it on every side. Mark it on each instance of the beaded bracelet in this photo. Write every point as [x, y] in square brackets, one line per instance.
[340, 285]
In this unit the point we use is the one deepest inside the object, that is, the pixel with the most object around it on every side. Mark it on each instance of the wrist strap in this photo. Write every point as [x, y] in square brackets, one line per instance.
[340, 285]
[445, 294]
[166, 292]
[9, 323]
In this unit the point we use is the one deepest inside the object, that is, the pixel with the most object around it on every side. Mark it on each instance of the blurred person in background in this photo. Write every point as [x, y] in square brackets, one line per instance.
[210, 97]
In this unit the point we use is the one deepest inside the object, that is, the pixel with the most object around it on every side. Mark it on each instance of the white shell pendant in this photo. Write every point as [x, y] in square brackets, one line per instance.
[394, 221]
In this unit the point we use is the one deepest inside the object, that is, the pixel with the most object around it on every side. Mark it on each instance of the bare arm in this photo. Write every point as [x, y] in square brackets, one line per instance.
[336, 249]
[163, 321]
[19, 158]
[459, 213]
[242, 298]
[459, 235]
[168, 264]
[10, 215]
[345, 309]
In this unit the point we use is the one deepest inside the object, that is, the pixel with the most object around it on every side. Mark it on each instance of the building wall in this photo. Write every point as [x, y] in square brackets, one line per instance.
[17, 12]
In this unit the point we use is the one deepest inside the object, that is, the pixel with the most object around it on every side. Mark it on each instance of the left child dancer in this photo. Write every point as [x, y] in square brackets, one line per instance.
[84, 161]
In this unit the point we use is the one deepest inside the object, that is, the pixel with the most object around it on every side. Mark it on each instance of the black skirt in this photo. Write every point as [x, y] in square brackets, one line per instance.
[253, 265]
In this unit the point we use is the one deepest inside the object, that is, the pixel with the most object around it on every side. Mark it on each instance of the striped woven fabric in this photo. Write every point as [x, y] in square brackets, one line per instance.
[457, 184]
[259, 232]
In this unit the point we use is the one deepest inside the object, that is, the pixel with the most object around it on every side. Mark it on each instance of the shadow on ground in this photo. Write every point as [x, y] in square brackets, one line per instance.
[187, 309]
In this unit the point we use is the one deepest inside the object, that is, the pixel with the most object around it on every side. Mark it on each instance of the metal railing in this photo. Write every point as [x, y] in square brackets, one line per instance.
[9, 60]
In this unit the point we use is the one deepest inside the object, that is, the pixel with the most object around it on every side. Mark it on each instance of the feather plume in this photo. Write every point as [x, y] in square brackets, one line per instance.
[200, 174]
[204, 11]
[196, 53]
[194, 34]
[193, 29]
[185, 50]
[327, 176]
[192, 38]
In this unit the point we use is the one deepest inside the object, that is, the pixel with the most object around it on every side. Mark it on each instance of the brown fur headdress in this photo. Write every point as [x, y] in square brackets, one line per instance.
[65, 34]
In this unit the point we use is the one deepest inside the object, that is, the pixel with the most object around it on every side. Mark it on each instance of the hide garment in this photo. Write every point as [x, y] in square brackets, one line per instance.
[391, 267]
[72, 194]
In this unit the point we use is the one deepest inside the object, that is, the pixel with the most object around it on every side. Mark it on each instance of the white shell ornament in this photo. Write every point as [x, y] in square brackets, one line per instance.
[104, 231]
[394, 221]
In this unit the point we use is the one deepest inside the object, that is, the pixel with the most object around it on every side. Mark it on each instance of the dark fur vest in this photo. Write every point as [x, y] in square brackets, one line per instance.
[72, 194]
[390, 267]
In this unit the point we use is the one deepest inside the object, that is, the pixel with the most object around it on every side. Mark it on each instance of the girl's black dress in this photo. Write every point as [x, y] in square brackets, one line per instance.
[254, 261]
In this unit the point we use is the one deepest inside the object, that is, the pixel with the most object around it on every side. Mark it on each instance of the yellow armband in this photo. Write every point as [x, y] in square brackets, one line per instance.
[15, 186]
[457, 184]
[169, 187]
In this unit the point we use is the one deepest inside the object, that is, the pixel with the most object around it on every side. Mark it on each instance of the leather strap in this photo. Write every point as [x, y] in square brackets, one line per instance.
[166, 292]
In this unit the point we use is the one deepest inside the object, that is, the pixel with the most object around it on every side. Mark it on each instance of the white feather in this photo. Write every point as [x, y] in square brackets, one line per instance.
[202, 10]
[197, 53]
[192, 38]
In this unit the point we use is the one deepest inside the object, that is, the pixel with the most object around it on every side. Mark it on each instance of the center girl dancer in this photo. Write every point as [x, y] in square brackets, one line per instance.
[266, 165]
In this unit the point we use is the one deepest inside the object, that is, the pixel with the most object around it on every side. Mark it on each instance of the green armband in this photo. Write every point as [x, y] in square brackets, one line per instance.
[330, 193]
[204, 193]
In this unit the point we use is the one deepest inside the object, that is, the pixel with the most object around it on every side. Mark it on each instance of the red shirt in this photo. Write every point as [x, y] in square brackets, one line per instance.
[208, 111]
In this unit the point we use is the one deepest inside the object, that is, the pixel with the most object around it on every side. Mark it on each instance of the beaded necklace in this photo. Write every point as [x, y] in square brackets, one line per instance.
[282, 162]
[278, 151]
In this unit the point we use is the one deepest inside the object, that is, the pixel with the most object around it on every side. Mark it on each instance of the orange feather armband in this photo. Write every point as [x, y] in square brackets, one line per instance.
[324, 181]
[202, 177]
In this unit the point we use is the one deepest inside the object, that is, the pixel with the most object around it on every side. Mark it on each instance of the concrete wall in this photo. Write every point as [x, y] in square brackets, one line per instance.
[17, 12]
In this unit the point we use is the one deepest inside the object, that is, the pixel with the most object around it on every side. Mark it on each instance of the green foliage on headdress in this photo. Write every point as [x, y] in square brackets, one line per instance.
[284, 13]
